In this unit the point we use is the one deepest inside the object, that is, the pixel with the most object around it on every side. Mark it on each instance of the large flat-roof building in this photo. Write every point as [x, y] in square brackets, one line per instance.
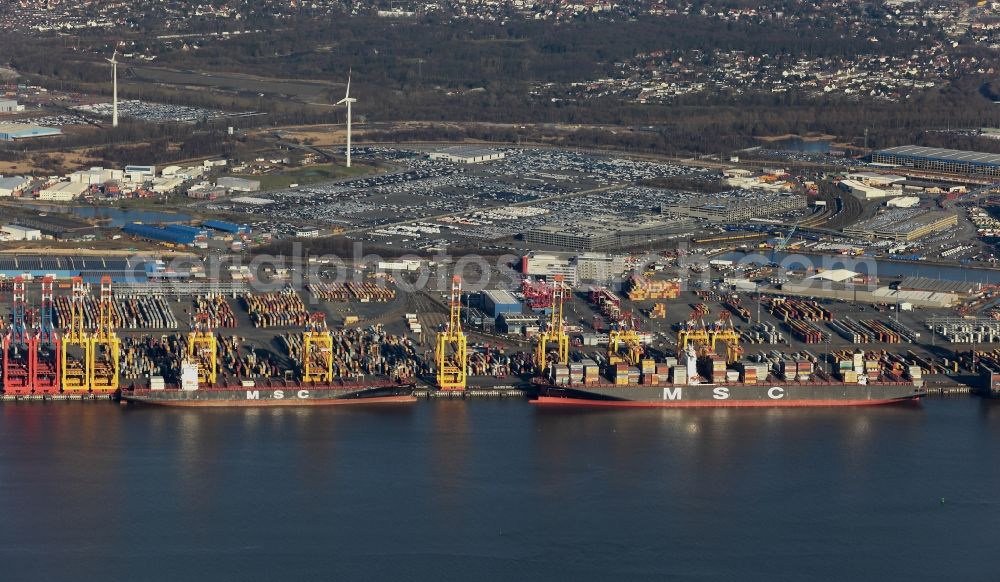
[19, 131]
[903, 224]
[12, 185]
[466, 154]
[940, 160]
[63, 191]
[238, 184]
[574, 267]
[737, 209]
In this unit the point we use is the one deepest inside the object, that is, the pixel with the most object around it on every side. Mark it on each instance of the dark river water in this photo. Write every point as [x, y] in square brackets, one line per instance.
[500, 491]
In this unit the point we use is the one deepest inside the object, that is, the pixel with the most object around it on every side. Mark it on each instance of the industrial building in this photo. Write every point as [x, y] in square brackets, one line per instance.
[876, 179]
[499, 301]
[903, 224]
[60, 226]
[19, 131]
[866, 190]
[63, 191]
[90, 268]
[738, 208]
[229, 227]
[96, 176]
[14, 185]
[466, 155]
[517, 324]
[17, 232]
[940, 160]
[960, 288]
[593, 235]
[238, 184]
[867, 294]
[903, 202]
[173, 234]
[139, 174]
[574, 267]
[10, 106]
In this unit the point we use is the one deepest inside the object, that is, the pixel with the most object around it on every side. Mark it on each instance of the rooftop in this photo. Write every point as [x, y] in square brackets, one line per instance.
[943, 154]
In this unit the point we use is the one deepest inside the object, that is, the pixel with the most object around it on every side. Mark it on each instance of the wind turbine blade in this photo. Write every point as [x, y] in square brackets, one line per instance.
[341, 102]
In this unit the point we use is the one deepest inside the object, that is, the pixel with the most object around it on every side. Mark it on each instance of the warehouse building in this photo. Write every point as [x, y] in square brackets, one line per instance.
[940, 160]
[14, 185]
[10, 106]
[238, 184]
[17, 232]
[19, 131]
[63, 191]
[574, 267]
[139, 174]
[90, 268]
[172, 234]
[866, 294]
[228, 227]
[60, 226]
[903, 224]
[866, 191]
[95, 176]
[499, 301]
[466, 155]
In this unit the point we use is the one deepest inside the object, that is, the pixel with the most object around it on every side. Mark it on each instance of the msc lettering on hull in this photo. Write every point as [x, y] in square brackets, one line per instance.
[721, 393]
[279, 394]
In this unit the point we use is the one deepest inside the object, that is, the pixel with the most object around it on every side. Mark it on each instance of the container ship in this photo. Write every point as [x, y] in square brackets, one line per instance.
[706, 381]
[249, 393]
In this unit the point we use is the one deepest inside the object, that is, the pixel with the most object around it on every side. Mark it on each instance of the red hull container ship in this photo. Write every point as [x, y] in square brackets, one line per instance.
[273, 394]
[707, 383]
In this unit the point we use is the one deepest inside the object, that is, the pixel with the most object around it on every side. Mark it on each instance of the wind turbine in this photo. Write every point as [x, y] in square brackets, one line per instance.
[114, 90]
[348, 100]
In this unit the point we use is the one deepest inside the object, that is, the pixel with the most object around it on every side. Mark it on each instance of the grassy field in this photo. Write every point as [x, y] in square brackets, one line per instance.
[310, 175]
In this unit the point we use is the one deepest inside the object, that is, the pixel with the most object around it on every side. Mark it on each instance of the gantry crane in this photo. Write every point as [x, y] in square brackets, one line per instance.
[105, 345]
[17, 369]
[556, 330]
[202, 349]
[317, 351]
[450, 355]
[44, 347]
[76, 371]
[723, 331]
[624, 334]
[692, 332]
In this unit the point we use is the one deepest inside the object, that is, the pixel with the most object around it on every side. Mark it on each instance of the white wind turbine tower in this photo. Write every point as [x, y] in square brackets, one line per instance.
[114, 87]
[348, 100]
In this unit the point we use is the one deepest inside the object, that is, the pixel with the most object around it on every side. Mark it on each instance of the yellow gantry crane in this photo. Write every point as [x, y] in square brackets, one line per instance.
[75, 375]
[692, 332]
[202, 349]
[105, 345]
[624, 335]
[317, 351]
[451, 355]
[555, 331]
[724, 332]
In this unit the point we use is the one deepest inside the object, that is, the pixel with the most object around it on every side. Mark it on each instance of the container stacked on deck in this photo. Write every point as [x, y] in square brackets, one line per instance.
[276, 309]
[591, 371]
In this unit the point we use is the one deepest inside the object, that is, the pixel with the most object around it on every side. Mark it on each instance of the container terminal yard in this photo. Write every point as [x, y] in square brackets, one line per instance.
[74, 340]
